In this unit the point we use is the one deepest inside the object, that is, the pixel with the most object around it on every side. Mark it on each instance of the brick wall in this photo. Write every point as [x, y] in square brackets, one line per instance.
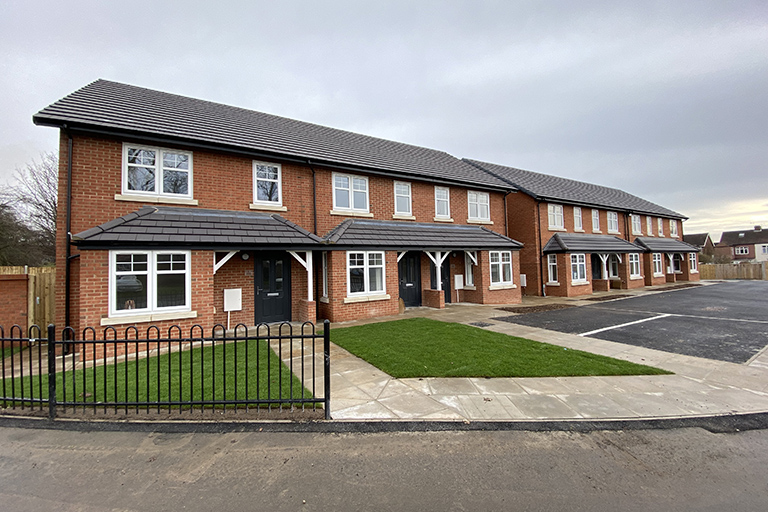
[13, 303]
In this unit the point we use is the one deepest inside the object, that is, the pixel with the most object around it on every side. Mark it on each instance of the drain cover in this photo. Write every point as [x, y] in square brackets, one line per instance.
[480, 324]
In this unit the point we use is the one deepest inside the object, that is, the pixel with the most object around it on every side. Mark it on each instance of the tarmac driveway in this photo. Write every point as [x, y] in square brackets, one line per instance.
[725, 321]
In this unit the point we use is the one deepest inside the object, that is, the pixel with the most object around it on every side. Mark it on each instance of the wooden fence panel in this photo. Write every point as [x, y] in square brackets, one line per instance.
[734, 271]
[41, 303]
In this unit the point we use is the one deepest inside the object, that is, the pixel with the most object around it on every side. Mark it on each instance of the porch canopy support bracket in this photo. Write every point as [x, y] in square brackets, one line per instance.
[604, 259]
[438, 257]
[472, 256]
[307, 264]
[219, 264]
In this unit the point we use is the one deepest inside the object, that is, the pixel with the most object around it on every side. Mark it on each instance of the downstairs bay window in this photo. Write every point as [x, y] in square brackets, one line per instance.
[143, 282]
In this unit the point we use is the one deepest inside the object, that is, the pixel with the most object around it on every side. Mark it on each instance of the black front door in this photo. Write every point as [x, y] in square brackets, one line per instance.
[597, 267]
[272, 286]
[409, 270]
[445, 278]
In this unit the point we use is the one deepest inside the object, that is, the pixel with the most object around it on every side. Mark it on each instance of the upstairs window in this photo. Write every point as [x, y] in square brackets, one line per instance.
[267, 187]
[672, 227]
[350, 193]
[442, 203]
[660, 223]
[555, 212]
[637, 225]
[152, 171]
[479, 205]
[742, 250]
[649, 225]
[578, 225]
[596, 221]
[613, 222]
[402, 198]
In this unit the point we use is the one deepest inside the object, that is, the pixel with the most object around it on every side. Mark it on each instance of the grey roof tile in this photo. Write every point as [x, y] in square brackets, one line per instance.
[571, 242]
[554, 188]
[744, 237]
[119, 107]
[153, 225]
[653, 244]
[410, 235]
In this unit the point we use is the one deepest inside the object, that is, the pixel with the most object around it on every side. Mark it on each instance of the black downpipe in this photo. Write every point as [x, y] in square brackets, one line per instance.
[314, 196]
[67, 270]
[506, 224]
[541, 256]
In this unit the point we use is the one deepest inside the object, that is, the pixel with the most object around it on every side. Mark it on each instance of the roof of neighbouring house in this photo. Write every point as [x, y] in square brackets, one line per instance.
[554, 188]
[394, 235]
[744, 237]
[697, 239]
[571, 242]
[652, 244]
[192, 227]
[115, 108]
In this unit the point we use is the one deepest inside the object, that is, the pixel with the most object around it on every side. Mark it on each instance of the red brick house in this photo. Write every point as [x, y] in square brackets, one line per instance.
[174, 210]
[579, 237]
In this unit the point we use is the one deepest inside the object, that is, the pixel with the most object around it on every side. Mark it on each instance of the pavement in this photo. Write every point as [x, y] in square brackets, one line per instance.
[699, 387]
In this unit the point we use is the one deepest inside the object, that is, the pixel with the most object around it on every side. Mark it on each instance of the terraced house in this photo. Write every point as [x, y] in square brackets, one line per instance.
[580, 238]
[174, 210]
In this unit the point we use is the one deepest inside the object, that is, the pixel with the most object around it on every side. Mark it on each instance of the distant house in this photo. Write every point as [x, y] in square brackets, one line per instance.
[704, 242]
[744, 245]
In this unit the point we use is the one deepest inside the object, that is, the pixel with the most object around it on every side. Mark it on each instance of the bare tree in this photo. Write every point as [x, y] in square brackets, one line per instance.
[34, 199]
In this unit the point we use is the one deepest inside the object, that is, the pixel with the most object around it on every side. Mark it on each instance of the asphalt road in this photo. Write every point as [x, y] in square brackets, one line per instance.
[726, 321]
[669, 470]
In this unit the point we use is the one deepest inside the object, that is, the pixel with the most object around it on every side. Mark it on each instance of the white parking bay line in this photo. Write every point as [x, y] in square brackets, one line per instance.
[590, 333]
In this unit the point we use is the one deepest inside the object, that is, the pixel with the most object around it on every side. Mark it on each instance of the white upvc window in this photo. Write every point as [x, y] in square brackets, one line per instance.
[673, 227]
[634, 265]
[469, 269]
[552, 269]
[157, 172]
[637, 225]
[578, 268]
[324, 259]
[765, 249]
[742, 250]
[149, 282]
[442, 203]
[694, 262]
[660, 223]
[402, 198]
[350, 192]
[555, 212]
[578, 223]
[613, 222]
[267, 184]
[365, 273]
[479, 205]
[649, 225]
[596, 221]
[613, 266]
[501, 267]
[658, 265]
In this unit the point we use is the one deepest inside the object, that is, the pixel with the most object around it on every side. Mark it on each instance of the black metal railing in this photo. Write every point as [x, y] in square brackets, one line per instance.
[265, 367]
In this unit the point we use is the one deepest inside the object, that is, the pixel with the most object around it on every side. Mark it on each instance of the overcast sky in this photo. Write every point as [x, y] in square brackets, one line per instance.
[666, 100]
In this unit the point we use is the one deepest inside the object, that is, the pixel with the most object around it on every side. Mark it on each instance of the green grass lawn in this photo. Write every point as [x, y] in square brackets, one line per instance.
[420, 347]
[193, 375]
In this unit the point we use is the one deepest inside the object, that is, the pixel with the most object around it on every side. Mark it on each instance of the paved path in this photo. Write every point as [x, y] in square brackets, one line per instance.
[699, 387]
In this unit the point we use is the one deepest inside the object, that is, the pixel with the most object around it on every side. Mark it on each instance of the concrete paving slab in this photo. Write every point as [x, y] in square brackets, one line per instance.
[412, 405]
[649, 405]
[454, 386]
[545, 385]
[596, 406]
[543, 407]
[498, 386]
[484, 407]
[367, 411]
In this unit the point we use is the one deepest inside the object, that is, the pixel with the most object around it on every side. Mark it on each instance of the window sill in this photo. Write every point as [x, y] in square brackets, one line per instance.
[579, 231]
[636, 234]
[554, 228]
[324, 300]
[614, 232]
[155, 199]
[443, 219]
[480, 221]
[470, 288]
[268, 207]
[658, 275]
[635, 278]
[366, 298]
[506, 286]
[553, 283]
[597, 231]
[398, 216]
[694, 271]
[148, 317]
[579, 283]
[351, 213]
